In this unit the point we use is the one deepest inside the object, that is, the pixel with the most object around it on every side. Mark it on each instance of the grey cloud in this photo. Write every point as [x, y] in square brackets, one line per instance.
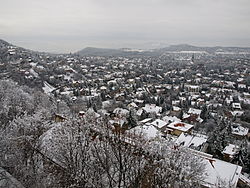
[117, 23]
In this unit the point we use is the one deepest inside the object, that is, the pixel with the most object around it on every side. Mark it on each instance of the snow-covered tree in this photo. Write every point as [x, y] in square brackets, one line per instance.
[26, 115]
[92, 156]
[174, 167]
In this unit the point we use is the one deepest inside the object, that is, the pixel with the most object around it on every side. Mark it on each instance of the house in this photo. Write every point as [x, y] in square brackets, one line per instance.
[149, 131]
[228, 114]
[229, 100]
[244, 180]
[120, 97]
[195, 141]
[138, 102]
[200, 102]
[218, 173]
[118, 125]
[237, 113]
[175, 102]
[246, 95]
[178, 128]
[152, 108]
[81, 114]
[158, 123]
[91, 113]
[221, 174]
[229, 84]
[242, 86]
[193, 88]
[145, 121]
[170, 119]
[120, 112]
[103, 88]
[193, 111]
[192, 116]
[229, 152]
[59, 118]
[106, 104]
[176, 111]
[132, 105]
[236, 106]
[239, 131]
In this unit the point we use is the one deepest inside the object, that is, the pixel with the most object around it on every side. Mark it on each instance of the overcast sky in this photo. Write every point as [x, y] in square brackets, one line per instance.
[70, 25]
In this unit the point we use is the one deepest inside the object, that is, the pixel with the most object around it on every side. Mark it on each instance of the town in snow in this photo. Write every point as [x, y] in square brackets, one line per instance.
[171, 117]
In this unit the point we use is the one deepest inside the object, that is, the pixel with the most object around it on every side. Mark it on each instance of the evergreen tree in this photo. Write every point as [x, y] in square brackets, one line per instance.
[204, 113]
[132, 120]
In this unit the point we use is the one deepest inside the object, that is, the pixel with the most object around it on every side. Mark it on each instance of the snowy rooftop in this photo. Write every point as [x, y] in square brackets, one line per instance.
[184, 127]
[170, 119]
[117, 121]
[239, 130]
[103, 88]
[237, 112]
[220, 173]
[242, 86]
[185, 115]
[231, 149]
[91, 112]
[191, 140]
[176, 108]
[193, 86]
[194, 111]
[132, 104]
[121, 111]
[245, 179]
[149, 131]
[149, 108]
[159, 123]
[138, 101]
[236, 105]
[146, 120]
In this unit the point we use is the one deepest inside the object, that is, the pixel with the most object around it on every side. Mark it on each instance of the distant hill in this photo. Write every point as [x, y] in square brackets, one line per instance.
[212, 50]
[91, 51]
[173, 48]
[5, 46]
[4, 43]
[112, 52]
[99, 51]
